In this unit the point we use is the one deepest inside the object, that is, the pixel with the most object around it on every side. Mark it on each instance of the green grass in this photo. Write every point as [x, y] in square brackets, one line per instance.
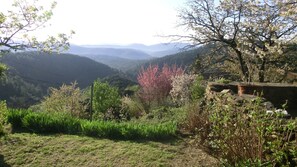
[40, 122]
[23, 149]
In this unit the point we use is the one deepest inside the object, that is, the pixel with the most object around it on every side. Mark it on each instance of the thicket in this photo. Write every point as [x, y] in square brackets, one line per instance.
[244, 134]
[42, 122]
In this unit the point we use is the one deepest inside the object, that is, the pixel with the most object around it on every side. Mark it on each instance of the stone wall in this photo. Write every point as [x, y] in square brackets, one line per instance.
[277, 94]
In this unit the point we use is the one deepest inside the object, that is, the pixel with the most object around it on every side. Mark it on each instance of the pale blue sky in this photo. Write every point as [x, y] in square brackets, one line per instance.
[114, 21]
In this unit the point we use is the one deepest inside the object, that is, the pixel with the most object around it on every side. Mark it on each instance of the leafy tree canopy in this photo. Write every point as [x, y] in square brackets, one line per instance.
[255, 34]
[18, 23]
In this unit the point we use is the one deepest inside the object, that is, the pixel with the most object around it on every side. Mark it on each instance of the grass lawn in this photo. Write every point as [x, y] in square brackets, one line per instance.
[23, 149]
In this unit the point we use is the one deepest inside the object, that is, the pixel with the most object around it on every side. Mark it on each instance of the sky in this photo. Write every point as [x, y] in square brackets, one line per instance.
[114, 21]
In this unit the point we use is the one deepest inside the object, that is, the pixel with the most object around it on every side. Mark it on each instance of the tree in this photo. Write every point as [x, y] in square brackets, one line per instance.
[18, 24]
[105, 97]
[255, 34]
[155, 83]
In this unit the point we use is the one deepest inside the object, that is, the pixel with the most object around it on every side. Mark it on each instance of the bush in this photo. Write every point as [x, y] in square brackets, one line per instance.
[132, 107]
[184, 88]
[197, 89]
[155, 83]
[62, 123]
[106, 98]
[245, 134]
[68, 99]
[3, 117]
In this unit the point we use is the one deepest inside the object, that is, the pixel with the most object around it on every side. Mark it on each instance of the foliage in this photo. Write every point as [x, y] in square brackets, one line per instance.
[63, 123]
[253, 34]
[223, 80]
[197, 89]
[21, 20]
[186, 88]
[106, 98]
[51, 123]
[3, 68]
[155, 83]
[181, 59]
[3, 116]
[24, 86]
[121, 82]
[181, 88]
[16, 116]
[133, 108]
[19, 93]
[166, 114]
[245, 134]
[68, 99]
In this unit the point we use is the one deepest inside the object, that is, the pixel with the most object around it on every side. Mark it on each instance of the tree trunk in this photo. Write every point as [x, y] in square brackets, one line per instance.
[243, 66]
[261, 74]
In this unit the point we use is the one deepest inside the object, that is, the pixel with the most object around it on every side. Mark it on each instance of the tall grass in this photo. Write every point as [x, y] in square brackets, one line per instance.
[40, 122]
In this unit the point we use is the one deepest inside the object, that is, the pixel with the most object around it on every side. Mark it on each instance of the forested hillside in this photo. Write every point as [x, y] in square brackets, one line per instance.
[32, 73]
[183, 59]
[122, 64]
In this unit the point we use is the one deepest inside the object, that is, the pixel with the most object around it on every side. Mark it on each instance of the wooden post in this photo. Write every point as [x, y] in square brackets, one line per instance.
[92, 94]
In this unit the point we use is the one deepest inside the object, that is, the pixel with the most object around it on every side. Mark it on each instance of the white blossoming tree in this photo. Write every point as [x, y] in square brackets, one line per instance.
[257, 34]
[18, 23]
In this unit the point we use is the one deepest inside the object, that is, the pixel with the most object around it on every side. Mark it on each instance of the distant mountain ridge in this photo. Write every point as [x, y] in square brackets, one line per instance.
[115, 52]
[146, 48]
[133, 51]
[125, 57]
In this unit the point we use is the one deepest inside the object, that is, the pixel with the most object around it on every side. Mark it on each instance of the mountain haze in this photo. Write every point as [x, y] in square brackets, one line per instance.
[116, 52]
[156, 50]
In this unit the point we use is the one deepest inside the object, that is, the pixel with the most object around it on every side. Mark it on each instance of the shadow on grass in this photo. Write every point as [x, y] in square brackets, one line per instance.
[172, 140]
[2, 162]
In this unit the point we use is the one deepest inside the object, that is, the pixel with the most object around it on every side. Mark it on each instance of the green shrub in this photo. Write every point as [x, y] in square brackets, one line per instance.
[223, 80]
[245, 134]
[132, 107]
[105, 97]
[3, 116]
[197, 89]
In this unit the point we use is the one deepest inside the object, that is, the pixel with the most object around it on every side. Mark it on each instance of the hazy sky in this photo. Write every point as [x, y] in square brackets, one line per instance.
[115, 21]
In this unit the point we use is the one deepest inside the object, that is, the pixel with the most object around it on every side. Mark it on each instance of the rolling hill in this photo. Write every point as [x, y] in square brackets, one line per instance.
[32, 73]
